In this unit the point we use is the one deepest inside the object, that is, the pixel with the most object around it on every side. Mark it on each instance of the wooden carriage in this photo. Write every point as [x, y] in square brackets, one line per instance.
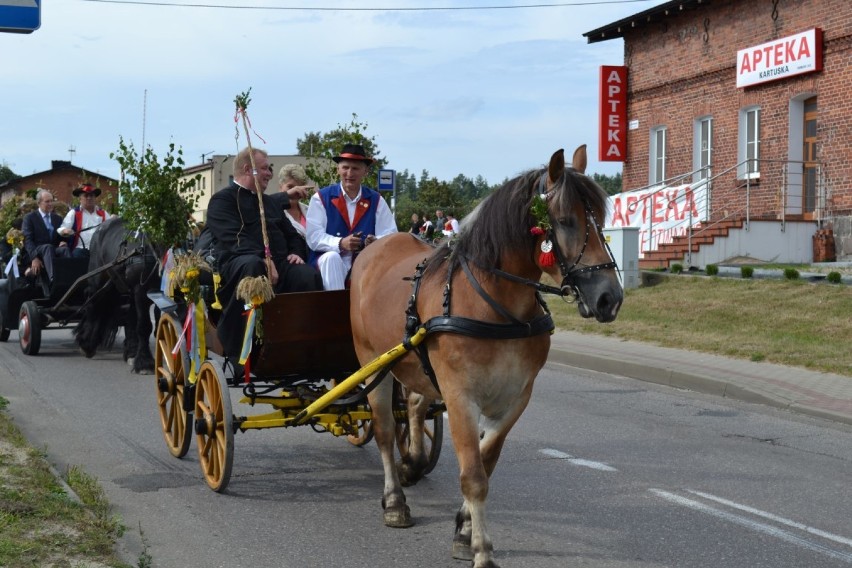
[305, 369]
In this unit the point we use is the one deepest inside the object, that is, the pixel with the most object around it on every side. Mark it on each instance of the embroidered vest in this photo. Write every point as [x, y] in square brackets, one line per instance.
[337, 216]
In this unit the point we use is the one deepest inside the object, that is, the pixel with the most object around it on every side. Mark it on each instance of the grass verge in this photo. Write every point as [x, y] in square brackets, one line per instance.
[788, 322]
[40, 523]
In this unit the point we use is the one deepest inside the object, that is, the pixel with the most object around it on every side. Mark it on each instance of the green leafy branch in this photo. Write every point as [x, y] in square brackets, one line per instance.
[154, 195]
[242, 100]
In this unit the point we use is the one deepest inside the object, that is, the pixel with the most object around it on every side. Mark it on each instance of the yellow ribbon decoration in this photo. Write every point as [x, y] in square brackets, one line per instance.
[216, 280]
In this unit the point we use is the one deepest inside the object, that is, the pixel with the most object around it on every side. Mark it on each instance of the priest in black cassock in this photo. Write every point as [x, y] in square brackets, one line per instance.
[233, 217]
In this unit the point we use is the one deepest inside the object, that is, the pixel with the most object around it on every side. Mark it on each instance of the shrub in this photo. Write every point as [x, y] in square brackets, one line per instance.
[711, 270]
[746, 271]
[676, 268]
[791, 274]
[833, 277]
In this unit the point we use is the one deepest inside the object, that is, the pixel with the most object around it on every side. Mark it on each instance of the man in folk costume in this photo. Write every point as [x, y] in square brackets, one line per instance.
[345, 217]
[83, 220]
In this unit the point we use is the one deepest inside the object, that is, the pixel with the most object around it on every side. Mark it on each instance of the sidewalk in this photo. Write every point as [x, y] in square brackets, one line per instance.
[807, 392]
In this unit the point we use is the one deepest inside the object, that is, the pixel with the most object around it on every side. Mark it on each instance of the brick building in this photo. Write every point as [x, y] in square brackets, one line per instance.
[750, 100]
[62, 178]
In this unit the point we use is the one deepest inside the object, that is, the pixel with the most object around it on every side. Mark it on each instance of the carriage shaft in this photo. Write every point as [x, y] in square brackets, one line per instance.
[360, 376]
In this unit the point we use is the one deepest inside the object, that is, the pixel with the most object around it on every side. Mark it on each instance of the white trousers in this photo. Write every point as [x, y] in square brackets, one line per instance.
[333, 269]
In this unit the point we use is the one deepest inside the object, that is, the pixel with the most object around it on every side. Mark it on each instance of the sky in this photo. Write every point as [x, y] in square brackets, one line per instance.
[487, 91]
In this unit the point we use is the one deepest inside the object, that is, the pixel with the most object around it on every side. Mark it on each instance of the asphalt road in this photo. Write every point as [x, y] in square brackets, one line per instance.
[600, 471]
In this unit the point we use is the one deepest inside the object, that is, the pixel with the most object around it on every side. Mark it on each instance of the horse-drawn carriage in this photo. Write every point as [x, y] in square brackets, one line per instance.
[463, 323]
[31, 305]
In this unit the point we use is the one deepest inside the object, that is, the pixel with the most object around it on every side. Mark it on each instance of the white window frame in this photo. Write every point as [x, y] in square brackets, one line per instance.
[657, 156]
[702, 154]
[748, 147]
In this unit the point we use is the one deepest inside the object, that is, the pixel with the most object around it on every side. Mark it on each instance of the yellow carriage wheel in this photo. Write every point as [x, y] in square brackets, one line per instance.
[433, 430]
[214, 432]
[170, 372]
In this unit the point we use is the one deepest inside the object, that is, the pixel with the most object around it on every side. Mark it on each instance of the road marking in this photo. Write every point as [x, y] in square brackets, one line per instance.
[754, 525]
[777, 519]
[600, 466]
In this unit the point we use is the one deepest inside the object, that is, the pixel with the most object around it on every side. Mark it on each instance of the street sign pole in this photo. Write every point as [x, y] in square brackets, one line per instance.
[20, 16]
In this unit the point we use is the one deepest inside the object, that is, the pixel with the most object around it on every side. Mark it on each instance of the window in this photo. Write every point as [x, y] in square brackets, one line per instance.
[703, 148]
[748, 155]
[658, 156]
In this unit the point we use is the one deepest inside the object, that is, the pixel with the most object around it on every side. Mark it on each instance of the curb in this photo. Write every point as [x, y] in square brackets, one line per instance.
[691, 381]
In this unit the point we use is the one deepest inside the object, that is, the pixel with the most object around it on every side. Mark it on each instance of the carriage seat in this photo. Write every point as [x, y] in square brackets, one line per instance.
[309, 334]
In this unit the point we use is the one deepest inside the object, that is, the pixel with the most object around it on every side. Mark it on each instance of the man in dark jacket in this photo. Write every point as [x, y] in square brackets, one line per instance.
[41, 240]
[233, 217]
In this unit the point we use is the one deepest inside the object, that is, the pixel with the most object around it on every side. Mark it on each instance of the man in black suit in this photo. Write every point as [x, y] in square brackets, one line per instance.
[41, 240]
[233, 217]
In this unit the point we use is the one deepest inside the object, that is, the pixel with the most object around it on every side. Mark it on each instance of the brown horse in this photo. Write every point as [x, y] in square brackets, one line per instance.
[488, 331]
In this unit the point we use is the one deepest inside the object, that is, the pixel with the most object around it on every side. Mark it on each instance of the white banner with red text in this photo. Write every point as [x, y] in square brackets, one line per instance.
[660, 213]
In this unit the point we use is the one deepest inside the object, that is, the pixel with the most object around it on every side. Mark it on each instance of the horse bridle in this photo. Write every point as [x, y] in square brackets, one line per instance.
[568, 287]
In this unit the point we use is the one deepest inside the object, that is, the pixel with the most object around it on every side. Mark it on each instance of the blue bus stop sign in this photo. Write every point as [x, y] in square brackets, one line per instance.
[20, 16]
[386, 180]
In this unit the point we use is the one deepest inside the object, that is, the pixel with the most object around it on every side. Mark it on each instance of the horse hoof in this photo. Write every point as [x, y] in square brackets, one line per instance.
[462, 550]
[408, 474]
[143, 371]
[398, 517]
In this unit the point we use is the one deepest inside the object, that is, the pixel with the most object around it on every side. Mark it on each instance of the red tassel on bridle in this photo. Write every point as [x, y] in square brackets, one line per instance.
[546, 258]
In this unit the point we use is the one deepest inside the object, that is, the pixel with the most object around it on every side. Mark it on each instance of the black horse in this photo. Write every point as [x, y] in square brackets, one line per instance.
[118, 294]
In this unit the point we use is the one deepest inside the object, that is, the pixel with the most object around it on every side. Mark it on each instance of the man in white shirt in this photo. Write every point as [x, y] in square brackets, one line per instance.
[83, 220]
[345, 217]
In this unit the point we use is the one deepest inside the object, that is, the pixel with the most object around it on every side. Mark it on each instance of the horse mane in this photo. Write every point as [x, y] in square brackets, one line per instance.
[501, 223]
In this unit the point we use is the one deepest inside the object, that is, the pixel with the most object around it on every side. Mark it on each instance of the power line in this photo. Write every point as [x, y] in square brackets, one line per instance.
[375, 9]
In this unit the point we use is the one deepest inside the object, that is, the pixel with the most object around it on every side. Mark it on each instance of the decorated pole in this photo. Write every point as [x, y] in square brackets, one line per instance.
[242, 101]
[254, 291]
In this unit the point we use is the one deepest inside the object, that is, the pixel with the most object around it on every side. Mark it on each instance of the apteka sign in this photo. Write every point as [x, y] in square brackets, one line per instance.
[780, 58]
[613, 114]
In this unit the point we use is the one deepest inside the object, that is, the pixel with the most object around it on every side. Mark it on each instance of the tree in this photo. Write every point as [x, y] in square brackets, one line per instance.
[6, 173]
[152, 196]
[406, 185]
[610, 184]
[434, 194]
[321, 148]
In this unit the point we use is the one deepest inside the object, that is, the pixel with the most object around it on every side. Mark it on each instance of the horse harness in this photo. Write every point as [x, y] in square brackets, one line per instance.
[448, 323]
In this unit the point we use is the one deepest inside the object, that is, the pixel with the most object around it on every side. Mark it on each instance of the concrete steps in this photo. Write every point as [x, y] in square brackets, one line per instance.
[674, 251]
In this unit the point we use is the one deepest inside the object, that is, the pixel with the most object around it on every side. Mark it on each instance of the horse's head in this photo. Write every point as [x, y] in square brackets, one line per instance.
[573, 248]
